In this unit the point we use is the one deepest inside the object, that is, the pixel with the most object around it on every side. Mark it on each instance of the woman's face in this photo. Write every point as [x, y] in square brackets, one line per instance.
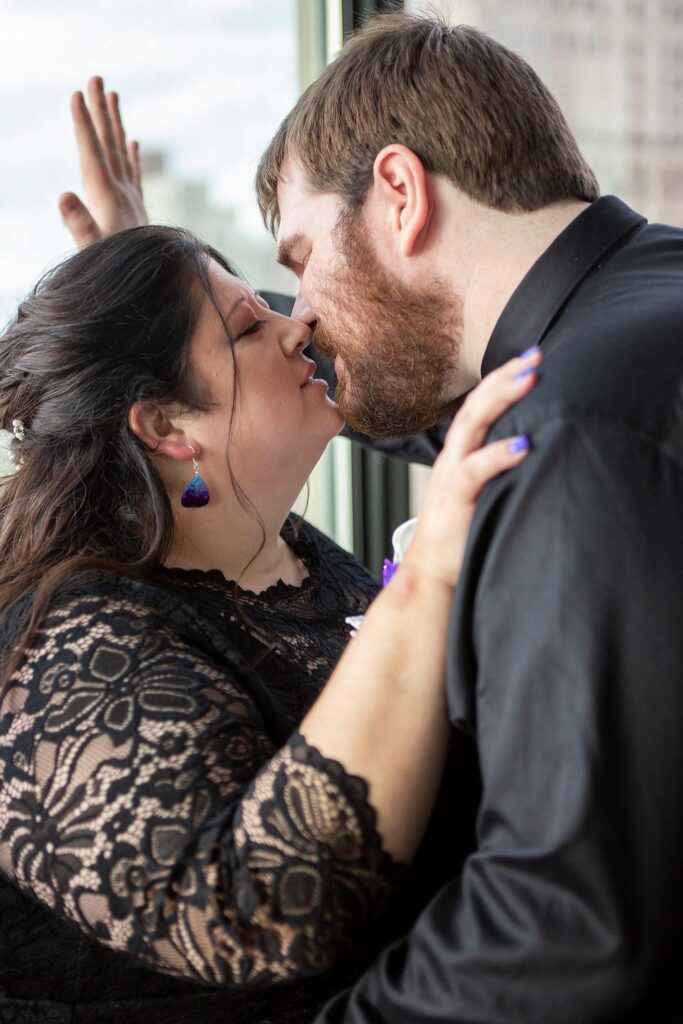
[282, 423]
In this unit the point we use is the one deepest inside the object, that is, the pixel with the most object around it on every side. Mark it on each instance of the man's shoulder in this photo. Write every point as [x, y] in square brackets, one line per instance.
[616, 350]
[633, 299]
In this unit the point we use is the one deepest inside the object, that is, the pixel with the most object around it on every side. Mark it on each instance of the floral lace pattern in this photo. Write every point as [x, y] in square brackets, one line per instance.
[145, 797]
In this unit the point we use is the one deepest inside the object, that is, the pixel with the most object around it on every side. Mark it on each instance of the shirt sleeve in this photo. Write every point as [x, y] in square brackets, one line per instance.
[142, 798]
[565, 660]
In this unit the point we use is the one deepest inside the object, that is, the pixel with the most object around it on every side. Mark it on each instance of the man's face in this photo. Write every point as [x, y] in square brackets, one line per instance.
[395, 345]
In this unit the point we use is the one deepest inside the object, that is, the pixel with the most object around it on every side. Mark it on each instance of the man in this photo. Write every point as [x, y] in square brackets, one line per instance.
[432, 201]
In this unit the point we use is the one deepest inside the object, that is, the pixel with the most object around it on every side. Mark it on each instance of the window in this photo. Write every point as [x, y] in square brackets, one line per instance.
[203, 86]
[604, 96]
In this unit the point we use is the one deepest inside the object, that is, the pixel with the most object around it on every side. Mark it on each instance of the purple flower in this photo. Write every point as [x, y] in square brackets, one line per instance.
[388, 571]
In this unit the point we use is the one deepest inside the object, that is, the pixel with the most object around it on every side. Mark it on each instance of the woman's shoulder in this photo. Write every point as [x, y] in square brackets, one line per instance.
[126, 645]
[78, 595]
[93, 612]
[90, 595]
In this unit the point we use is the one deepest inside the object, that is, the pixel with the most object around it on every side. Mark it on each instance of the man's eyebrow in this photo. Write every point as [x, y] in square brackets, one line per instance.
[284, 250]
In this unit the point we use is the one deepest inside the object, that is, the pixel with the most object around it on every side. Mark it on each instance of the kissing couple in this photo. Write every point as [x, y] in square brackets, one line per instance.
[215, 803]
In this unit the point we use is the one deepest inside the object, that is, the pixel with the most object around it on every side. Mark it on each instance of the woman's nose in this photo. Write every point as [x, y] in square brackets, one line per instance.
[295, 338]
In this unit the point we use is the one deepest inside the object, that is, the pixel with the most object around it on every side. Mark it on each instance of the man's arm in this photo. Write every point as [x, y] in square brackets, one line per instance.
[566, 661]
[422, 448]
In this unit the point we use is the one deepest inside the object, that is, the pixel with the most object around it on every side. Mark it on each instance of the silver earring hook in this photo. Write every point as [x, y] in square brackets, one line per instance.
[195, 464]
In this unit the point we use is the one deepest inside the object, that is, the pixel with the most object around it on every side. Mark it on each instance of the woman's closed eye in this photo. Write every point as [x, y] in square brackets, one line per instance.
[253, 328]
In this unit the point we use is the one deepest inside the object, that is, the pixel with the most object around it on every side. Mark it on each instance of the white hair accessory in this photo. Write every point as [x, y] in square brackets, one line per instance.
[19, 429]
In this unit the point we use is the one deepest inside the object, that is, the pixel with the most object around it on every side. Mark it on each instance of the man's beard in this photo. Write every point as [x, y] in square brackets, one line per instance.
[399, 344]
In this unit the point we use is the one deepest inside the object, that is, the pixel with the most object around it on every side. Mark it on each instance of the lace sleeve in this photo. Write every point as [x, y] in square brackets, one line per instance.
[141, 797]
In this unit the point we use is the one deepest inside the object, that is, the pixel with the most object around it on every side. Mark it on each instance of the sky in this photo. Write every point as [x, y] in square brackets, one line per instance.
[207, 81]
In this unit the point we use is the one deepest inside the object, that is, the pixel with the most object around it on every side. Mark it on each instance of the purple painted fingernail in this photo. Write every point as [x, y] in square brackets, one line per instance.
[525, 373]
[530, 352]
[519, 444]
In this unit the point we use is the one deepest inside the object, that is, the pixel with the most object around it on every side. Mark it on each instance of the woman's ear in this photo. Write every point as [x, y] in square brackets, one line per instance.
[400, 188]
[151, 423]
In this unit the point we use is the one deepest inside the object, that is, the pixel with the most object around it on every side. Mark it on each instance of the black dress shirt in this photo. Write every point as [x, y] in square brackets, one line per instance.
[565, 665]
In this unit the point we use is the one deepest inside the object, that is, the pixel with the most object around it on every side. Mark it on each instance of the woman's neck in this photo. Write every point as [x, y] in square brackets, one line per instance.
[206, 538]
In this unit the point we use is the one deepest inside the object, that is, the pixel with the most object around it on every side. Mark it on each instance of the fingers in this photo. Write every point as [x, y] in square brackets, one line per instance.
[488, 462]
[113, 106]
[91, 157]
[134, 162]
[104, 126]
[487, 403]
[78, 219]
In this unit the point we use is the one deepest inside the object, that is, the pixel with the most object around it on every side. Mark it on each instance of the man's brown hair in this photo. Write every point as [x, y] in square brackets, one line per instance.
[471, 109]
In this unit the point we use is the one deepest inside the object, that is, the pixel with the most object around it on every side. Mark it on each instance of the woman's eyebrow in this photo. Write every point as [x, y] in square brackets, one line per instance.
[234, 306]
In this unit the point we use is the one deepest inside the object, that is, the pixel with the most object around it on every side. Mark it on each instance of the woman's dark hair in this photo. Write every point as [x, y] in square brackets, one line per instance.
[106, 328]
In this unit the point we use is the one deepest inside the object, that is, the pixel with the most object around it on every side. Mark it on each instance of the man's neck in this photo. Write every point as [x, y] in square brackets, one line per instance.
[485, 256]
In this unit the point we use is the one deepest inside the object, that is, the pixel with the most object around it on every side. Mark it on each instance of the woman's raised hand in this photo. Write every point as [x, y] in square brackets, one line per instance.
[465, 465]
[110, 168]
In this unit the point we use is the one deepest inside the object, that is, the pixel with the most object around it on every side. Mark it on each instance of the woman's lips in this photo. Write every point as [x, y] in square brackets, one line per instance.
[310, 370]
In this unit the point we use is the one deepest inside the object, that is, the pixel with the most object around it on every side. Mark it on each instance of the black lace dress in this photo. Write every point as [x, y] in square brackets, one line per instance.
[171, 848]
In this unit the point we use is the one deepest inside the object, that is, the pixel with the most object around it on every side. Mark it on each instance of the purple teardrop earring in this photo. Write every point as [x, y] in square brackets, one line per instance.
[196, 494]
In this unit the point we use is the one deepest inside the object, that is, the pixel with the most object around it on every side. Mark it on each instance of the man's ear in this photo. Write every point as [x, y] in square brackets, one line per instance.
[152, 424]
[400, 185]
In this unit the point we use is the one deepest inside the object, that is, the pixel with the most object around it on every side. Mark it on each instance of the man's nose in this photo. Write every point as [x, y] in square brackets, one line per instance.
[302, 309]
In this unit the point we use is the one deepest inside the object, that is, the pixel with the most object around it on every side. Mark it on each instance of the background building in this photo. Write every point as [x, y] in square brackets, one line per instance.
[616, 69]
[171, 198]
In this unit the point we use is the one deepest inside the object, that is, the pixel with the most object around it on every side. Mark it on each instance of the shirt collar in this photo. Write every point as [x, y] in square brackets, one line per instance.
[547, 286]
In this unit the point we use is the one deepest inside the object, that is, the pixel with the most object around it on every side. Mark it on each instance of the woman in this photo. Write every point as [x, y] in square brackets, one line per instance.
[176, 789]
